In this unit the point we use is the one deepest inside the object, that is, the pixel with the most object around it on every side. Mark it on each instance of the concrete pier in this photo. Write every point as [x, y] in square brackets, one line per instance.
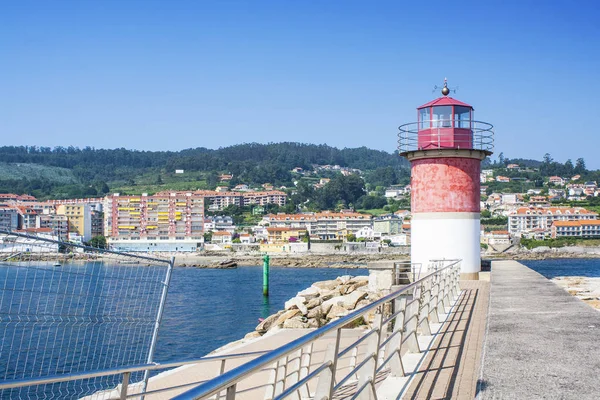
[541, 343]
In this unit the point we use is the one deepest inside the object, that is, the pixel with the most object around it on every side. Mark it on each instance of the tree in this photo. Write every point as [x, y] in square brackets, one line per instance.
[569, 168]
[351, 238]
[580, 166]
[207, 237]
[98, 242]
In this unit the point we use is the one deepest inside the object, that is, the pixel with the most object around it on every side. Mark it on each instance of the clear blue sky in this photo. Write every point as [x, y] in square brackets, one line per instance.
[178, 74]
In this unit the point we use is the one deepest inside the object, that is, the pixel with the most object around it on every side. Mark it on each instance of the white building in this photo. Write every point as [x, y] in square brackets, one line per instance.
[525, 219]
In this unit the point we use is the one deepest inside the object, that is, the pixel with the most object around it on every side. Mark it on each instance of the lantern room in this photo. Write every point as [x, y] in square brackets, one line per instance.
[445, 123]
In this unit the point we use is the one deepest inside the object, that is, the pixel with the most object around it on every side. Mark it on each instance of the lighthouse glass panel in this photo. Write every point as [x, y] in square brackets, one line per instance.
[442, 117]
[462, 117]
[424, 118]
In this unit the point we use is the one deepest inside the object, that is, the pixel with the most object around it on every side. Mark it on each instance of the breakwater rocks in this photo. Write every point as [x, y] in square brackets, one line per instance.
[297, 260]
[320, 304]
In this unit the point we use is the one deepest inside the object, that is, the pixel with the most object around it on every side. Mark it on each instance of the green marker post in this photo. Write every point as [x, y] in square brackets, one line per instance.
[266, 275]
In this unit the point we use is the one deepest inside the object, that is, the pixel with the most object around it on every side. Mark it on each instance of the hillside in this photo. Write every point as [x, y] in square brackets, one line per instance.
[91, 170]
[36, 171]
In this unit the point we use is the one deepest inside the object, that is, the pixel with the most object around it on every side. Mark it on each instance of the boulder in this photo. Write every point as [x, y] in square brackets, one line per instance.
[336, 312]
[326, 307]
[309, 293]
[343, 279]
[363, 280]
[326, 285]
[295, 323]
[268, 322]
[285, 316]
[312, 303]
[329, 294]
[350, 300]
[316, 312]
[314, 323]
[252, 335]
[296, 302]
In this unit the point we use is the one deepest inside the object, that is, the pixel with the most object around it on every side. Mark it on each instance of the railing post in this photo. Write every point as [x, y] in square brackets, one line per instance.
[394, 346]
[159, 315]
[412, 314]
[368, 371]
[327, 377]
[424, 311]
[124, 385]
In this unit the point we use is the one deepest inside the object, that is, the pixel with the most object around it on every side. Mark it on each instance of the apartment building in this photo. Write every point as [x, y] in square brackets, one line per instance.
[9, 218]
[326, 225]
[581, 228]
[80, 220]
[387, 224]
[97, 223]
[526, 219]
[167, 221]
[57, 224]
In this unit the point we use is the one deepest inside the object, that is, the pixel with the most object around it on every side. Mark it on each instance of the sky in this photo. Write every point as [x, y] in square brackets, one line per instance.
[171, 75]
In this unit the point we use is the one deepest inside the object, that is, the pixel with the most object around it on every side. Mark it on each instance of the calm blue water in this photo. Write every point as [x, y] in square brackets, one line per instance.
[208, 308]
[565, 267]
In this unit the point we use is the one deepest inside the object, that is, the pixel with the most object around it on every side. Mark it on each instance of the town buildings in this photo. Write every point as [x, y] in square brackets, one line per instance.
[580, 228]
[325, 225]
[525, 219]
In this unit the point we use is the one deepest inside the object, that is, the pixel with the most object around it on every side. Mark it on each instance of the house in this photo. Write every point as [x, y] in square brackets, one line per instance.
[225, 177]
[512, 166]
[534, 192]
[556, 181]
[221, 238]
[297, 170]
[285, 235]
[503, 179]
[246, 238]
[241, 188]
[576, 177]
[538, 200]
[367, 233]
[498, 237]
[557, 193]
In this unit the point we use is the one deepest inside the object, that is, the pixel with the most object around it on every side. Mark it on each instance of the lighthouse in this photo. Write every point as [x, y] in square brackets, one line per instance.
[445, 148]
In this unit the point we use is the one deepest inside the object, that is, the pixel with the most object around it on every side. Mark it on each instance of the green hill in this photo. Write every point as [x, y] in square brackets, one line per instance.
[13, 171]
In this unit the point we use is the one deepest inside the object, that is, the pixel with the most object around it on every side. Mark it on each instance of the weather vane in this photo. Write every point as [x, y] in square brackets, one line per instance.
[445, 89]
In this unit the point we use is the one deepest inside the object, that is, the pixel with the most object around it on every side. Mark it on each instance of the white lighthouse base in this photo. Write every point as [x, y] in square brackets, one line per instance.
[447, 235]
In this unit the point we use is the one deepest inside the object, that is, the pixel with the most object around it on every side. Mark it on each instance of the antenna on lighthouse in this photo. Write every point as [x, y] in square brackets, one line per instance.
[445, 89]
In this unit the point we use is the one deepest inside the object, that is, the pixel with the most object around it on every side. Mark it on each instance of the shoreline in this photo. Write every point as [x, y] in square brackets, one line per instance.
[586, 289]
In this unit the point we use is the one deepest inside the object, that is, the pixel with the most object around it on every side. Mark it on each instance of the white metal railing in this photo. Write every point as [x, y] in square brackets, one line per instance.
[473, 135]
[399, 318]
[392, 329]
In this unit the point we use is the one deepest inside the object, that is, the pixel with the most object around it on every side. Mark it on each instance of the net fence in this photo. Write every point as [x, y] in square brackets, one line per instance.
[66, 308]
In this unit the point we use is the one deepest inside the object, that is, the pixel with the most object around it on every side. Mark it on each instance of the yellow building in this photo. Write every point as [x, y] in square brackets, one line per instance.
[79, 217]
[283, 235]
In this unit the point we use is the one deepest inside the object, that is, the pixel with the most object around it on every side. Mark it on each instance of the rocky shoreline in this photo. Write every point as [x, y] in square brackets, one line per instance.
[584, 288]
[316, 306]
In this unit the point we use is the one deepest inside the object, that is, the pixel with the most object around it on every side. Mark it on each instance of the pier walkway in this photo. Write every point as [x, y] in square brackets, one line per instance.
[541, 343]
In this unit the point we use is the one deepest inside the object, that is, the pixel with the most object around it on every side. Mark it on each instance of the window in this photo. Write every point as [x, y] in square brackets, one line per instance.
[462, 117]
[424, 118]
[442, 117]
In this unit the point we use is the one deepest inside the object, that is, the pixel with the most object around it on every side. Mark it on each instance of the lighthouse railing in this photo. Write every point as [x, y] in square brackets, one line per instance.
[471, 135]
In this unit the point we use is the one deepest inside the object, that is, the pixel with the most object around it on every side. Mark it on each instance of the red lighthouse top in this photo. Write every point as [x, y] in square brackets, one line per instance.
[445, 101]
[445, 124]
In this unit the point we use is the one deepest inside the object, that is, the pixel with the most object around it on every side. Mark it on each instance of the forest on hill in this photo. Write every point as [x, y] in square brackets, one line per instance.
[99, 170]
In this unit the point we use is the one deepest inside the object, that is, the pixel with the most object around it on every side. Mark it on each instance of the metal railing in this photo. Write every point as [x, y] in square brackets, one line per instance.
[396, 321]
[66, 309]
[469, 134]
[392, 328]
